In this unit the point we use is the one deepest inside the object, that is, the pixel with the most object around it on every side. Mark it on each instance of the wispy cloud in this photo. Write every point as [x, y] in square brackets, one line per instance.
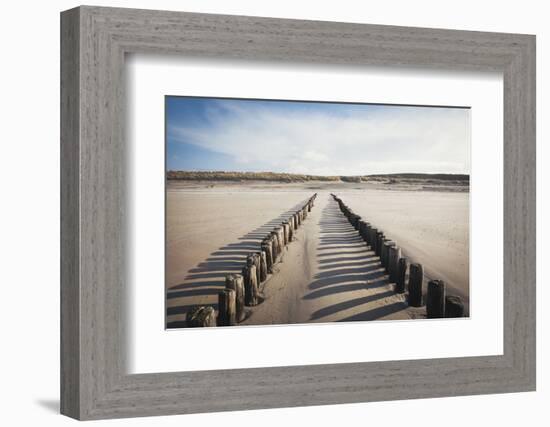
[331, 140]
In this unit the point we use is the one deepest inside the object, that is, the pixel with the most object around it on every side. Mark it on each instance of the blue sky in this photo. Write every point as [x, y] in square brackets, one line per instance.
[314, 138]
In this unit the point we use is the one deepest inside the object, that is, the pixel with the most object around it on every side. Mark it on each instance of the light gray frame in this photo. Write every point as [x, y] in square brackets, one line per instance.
[94, 41]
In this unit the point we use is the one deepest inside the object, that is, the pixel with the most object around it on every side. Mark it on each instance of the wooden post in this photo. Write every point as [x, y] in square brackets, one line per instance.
[401, 273]
[454, 307]
[286, 226]
[250, 259]
[385, 255]
[435, 300]
[281, 237]
[379, 242]
[416, 276]
[290, 230]
[251, 292]
[275, 246]
[236, 283]
[366, 233]
[263, 266]
[226, 308]
[364, 230]
[256, 257]
[277, 242]
[383, 249]
[361, 227]
[267, 248]
[373, 238]
[393, 259]
[201, 316]
[295, 220]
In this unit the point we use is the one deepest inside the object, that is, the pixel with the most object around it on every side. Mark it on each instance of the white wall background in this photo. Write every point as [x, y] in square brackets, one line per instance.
[29, 213]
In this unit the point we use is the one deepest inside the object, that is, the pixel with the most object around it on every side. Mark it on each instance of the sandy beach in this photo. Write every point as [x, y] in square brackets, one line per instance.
[327, 273]
[431, 227]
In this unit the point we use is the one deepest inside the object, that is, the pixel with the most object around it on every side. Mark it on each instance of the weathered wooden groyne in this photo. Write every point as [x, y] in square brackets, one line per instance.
[392, 259]
[244, 290]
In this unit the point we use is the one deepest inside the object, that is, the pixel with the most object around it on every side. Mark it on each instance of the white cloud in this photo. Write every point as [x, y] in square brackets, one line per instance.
[386, 140]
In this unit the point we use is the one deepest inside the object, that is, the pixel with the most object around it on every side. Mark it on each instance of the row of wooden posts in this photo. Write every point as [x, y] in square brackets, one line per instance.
[395, 264]
[244, 289]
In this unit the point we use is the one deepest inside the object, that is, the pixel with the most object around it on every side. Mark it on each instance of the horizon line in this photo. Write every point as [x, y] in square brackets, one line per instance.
[309, 174]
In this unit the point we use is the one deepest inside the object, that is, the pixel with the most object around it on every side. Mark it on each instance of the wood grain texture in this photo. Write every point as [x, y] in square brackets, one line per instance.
[94, 382]
[70, 314]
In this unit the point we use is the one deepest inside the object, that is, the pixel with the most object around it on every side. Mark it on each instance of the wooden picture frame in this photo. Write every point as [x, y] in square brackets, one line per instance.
[94, 382]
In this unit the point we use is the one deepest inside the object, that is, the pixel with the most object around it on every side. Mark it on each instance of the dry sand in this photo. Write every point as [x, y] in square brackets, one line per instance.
[210, 232]
[327, 274]
[431, 227]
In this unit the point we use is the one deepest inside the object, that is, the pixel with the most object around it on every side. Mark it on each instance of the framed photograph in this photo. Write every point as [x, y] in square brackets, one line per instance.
[223, 185]
[262, 213]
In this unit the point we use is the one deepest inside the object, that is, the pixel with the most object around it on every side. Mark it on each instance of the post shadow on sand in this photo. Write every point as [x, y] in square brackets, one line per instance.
[375, 313]
[346, 264]
[208, 277]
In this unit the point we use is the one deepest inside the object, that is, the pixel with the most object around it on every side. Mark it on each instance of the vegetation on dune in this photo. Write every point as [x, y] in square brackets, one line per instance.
[423, 176]
[246, 176]
[290, 177]
[351, 178]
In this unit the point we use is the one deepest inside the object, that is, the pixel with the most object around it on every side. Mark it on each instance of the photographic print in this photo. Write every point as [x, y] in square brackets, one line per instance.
[295, 212]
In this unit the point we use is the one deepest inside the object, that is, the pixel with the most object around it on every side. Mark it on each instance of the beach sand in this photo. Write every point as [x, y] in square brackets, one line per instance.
[431, 228]
[327, 273]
